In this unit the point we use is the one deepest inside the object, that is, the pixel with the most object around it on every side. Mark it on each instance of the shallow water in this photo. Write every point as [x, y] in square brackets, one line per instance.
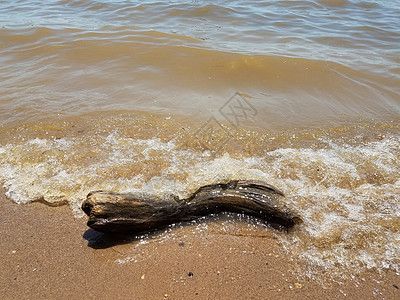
[163, 97]
[301, 61]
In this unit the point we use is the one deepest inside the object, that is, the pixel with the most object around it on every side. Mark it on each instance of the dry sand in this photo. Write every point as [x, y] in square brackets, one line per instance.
[46, 253]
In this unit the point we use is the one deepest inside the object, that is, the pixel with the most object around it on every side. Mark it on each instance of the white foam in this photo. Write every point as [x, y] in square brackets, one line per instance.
[38, 142]
[328, 187]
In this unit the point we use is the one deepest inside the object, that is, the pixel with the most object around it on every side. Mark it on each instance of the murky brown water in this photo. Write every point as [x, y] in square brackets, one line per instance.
[163, 97]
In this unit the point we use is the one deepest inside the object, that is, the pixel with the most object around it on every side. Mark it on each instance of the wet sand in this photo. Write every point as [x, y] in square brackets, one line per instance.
[46, 253]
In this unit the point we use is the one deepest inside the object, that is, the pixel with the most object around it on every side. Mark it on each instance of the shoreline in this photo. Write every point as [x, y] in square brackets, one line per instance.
[47, 253]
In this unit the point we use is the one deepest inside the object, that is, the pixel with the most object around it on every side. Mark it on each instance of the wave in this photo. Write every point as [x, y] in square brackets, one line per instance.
[342, 180]
[164, 97]
[122, 64]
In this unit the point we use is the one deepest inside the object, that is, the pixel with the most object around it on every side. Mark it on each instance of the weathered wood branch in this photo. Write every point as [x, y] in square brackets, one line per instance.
[114, 212]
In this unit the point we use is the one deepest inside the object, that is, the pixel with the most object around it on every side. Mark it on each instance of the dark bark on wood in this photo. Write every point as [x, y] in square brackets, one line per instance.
[113, 212]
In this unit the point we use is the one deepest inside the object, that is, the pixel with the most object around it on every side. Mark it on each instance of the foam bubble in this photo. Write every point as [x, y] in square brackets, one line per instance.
[346, 190]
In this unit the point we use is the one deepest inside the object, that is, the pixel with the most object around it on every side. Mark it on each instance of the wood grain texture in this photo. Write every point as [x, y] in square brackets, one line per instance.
[115, 212]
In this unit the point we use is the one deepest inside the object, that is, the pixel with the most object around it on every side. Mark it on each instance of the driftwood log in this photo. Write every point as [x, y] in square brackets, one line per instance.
[114, 212]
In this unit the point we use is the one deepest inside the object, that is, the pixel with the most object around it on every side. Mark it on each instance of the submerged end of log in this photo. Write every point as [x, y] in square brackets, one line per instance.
[115, 212]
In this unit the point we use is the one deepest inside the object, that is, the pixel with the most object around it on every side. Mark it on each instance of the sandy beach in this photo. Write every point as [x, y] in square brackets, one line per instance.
[161, 98]
[46, 253]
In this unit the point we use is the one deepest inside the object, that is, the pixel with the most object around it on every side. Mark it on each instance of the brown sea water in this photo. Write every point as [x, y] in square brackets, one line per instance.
[164, 97]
